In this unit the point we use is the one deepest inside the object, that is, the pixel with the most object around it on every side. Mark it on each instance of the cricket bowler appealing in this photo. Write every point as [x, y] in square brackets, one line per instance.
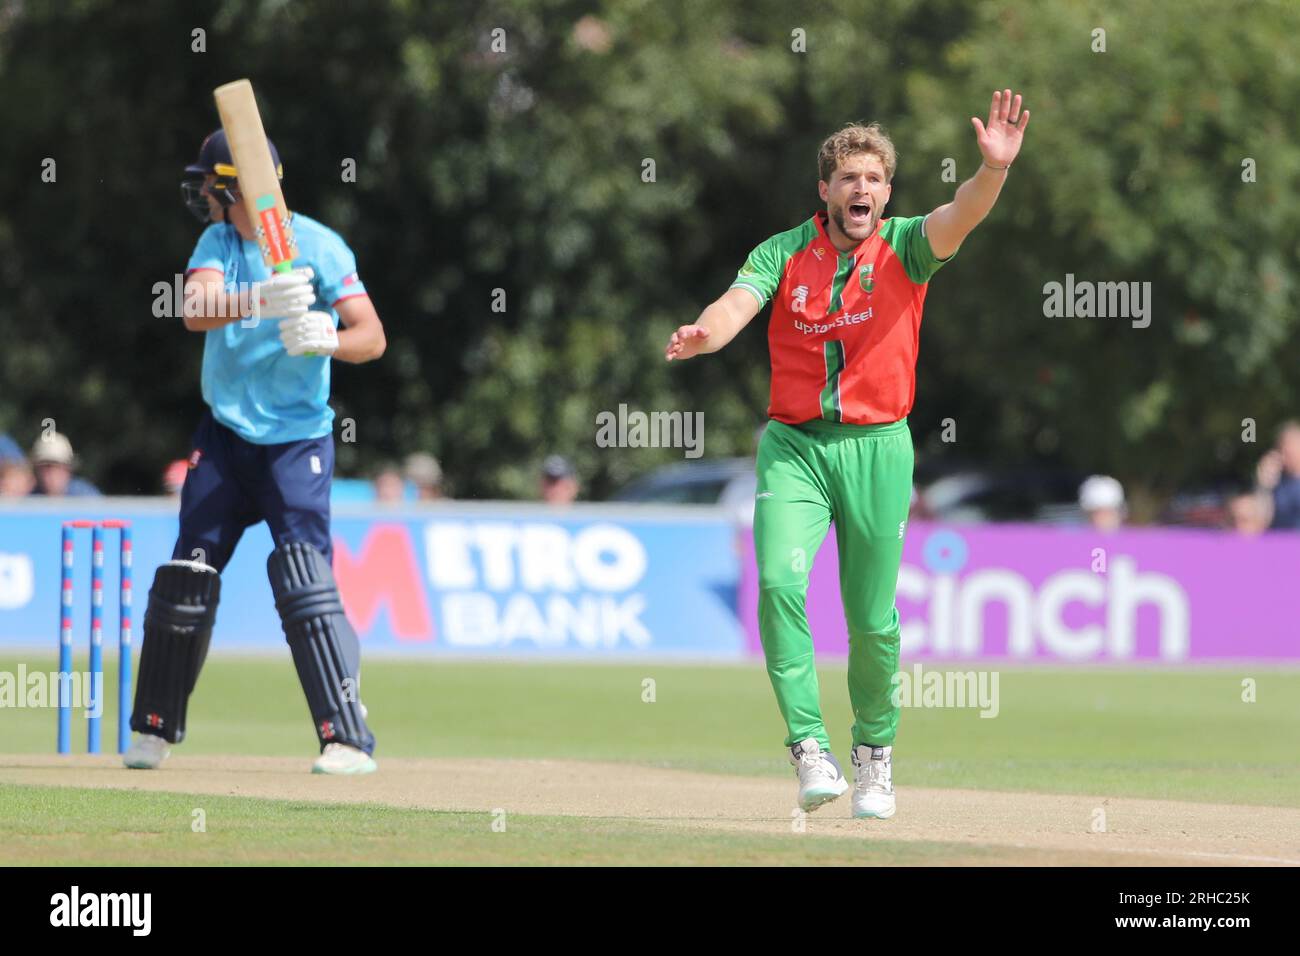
[263, 451]
[847, 288]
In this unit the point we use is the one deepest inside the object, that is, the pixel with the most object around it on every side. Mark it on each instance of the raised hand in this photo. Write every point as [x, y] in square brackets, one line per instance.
[1268, 473]
[1000, 140]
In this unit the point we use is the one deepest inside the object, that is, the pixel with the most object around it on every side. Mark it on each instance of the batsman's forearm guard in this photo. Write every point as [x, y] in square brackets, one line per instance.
[325, 649]
[177, 629]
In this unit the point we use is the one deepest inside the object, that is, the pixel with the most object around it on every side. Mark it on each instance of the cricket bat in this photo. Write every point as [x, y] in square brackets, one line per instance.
[259, 185]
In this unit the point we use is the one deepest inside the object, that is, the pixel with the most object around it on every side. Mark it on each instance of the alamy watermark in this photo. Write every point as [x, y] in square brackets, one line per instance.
[133, 911]
[1101, 300]
[946, 688]
[176, 300]
[53, 689]
[635, 429]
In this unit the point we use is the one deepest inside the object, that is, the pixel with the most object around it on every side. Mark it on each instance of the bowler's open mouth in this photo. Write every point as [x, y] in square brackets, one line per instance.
[860, 213]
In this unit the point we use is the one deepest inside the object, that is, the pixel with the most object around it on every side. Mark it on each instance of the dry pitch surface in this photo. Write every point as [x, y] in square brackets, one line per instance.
[1006, 827]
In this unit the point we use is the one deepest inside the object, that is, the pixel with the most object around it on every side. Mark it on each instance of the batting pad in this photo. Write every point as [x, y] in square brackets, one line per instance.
[177, 629]
[325, 649]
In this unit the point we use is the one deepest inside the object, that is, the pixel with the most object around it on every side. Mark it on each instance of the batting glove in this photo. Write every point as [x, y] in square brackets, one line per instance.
[286, 295]
[312, 334]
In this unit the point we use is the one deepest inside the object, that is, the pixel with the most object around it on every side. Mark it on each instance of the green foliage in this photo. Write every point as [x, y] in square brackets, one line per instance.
[521, 170]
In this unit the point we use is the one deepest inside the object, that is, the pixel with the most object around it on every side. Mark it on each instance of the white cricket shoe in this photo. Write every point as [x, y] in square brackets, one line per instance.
[873, 782]
[820, 777]
[146, 752]
[344, 759]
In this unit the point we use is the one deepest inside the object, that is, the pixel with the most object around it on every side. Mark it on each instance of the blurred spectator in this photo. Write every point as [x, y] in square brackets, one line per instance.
[53, 460]
[16, 478]
[10, 449]
[173, 477]
[559, 481]
[1249, 512]
[1102, 499]
[425, 473]
[1278, 476]
[390, 486]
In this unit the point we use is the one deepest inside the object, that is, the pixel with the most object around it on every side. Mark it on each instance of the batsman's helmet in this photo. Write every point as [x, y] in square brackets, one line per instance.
[215, 159]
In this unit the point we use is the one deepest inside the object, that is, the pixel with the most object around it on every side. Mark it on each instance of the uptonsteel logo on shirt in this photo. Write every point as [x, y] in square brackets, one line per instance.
[814, 328]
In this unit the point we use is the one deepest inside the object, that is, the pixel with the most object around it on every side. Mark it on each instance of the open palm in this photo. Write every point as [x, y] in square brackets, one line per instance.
[1000, 140]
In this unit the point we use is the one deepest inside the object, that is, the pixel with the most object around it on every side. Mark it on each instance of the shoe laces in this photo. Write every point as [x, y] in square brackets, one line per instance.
[814, 765]
[875, 776]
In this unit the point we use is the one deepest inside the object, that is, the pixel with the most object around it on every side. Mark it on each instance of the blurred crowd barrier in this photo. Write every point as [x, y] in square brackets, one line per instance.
[1067, 595]
[620, 580]
[456, 578]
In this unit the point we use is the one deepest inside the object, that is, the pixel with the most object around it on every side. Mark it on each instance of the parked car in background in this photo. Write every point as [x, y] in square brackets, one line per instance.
[1200, 508]
[962, 496]
[975, 496]
[727, 482]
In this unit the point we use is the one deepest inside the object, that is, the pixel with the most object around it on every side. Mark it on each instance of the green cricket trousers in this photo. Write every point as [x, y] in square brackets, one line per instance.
[859, 477]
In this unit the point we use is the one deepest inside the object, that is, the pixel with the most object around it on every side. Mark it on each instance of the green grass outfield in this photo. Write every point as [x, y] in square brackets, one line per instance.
[85, 827]
[1171, 735]
[1180, 735]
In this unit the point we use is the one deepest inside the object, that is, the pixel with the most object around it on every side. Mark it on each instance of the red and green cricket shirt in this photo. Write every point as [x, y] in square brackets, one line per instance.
[845, 327]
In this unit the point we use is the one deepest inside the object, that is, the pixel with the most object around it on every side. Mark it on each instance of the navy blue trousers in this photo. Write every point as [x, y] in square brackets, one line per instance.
[236, 483]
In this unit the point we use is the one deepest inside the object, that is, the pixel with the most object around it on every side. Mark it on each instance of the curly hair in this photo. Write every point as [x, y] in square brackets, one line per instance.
[851, 140]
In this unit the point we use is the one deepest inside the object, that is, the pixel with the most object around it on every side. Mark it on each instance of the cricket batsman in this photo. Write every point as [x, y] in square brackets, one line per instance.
[847, 288]
[263, 451]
